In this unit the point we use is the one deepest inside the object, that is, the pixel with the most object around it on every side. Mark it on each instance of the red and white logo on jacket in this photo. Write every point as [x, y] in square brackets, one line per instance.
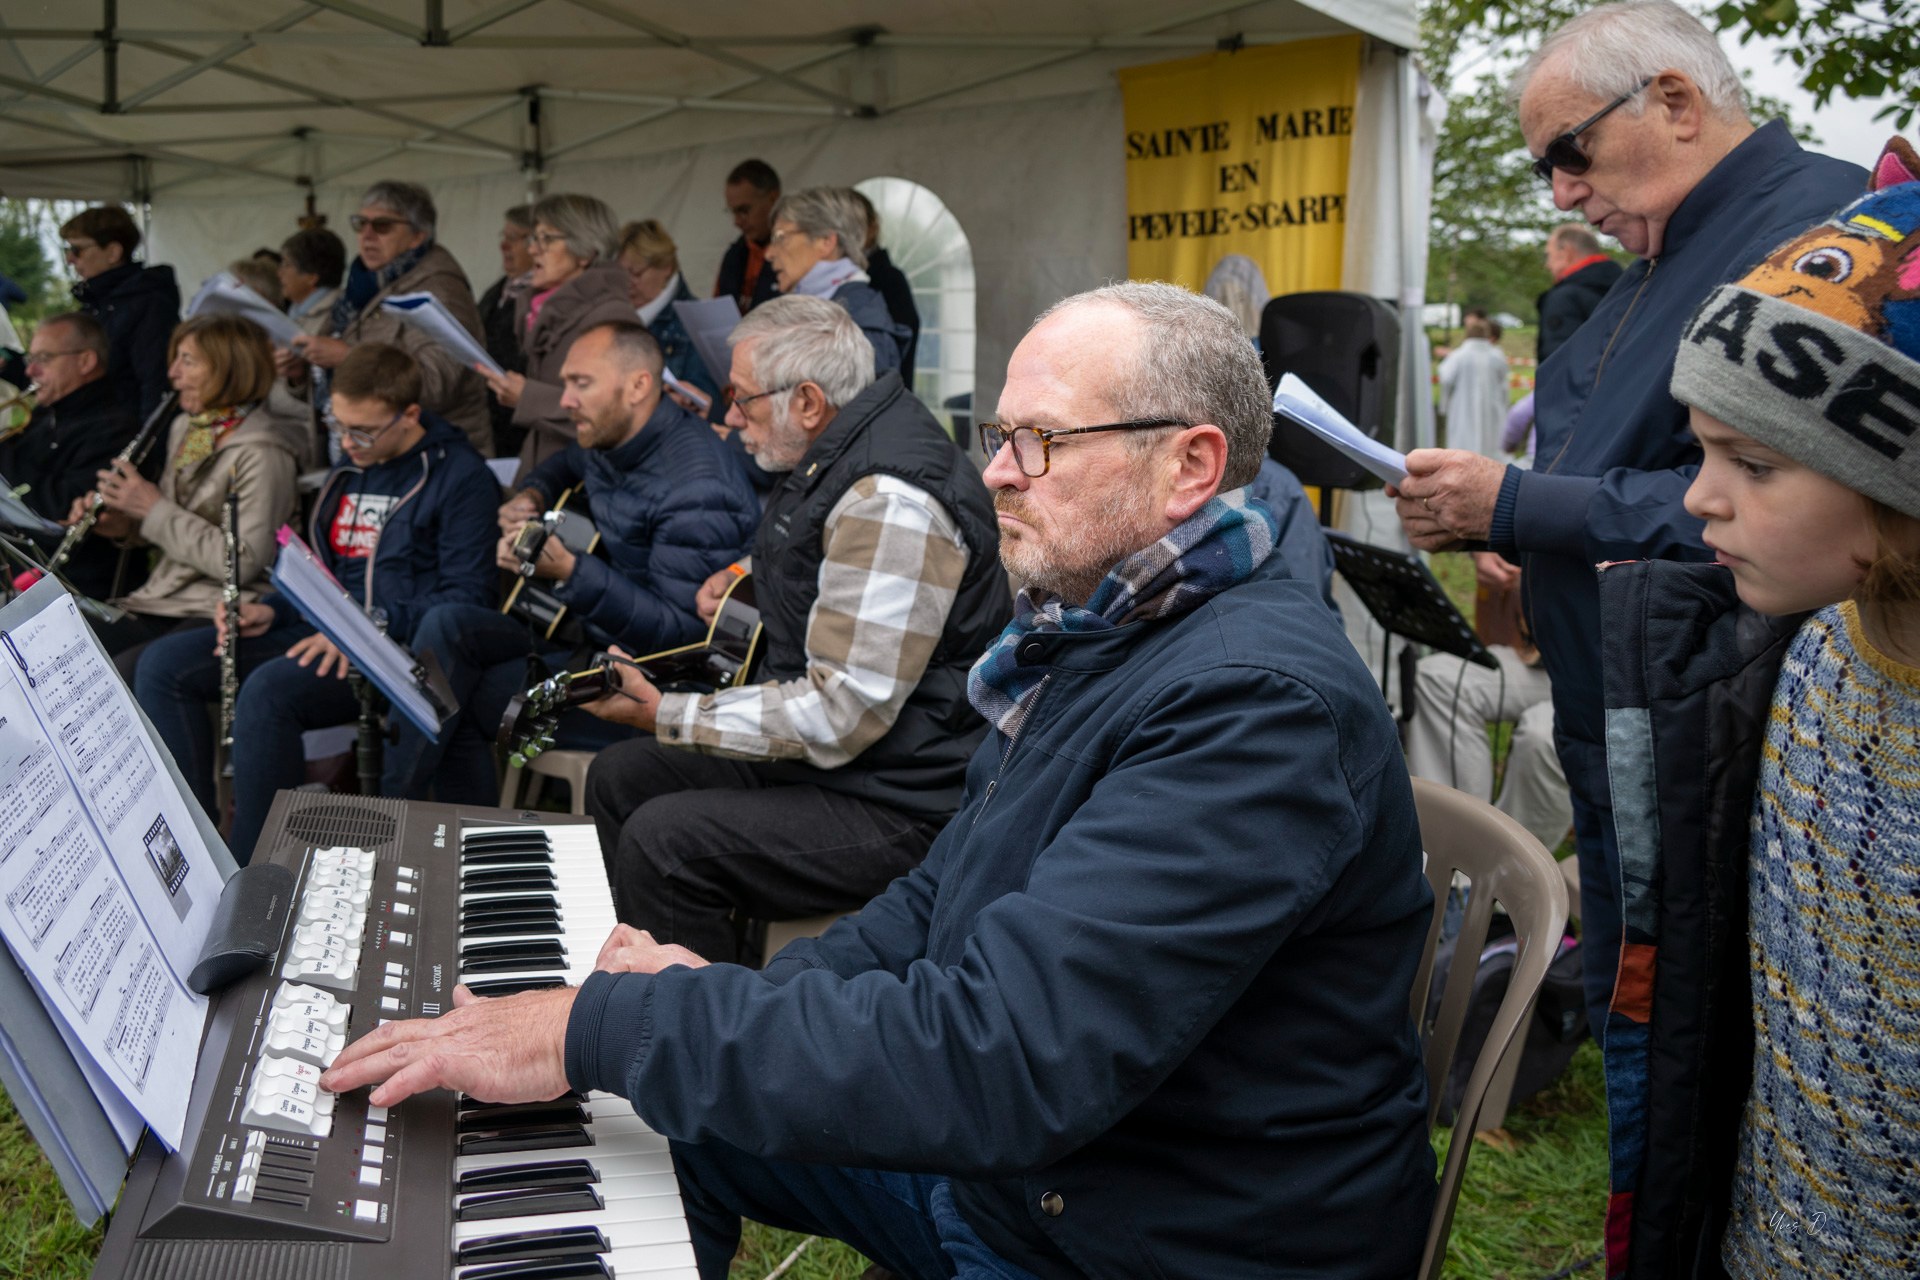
[358, 521]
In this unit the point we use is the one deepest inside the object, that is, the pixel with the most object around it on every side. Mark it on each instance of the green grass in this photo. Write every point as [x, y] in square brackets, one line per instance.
[1531, 1203]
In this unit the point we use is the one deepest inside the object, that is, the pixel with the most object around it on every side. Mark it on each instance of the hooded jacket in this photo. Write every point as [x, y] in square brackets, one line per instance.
[138, 307]
[448, 387]
[596, 296]
[436, 512]
[259, 459]
[1689, 675]
[1145, 1001]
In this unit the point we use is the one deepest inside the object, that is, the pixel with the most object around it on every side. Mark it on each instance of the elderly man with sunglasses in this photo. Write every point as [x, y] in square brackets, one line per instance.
[1143, 1009]
[1639, 122]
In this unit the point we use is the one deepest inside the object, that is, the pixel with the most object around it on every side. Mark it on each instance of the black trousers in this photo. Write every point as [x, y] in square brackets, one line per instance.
[690, 839]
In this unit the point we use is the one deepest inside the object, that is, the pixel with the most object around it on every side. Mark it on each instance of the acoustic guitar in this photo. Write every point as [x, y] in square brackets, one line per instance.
[530, 599]
[725, 659]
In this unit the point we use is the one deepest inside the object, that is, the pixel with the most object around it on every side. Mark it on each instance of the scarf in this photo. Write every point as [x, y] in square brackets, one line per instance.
[361, 287]
[824, 277]
[1216, 547]
[205, 431]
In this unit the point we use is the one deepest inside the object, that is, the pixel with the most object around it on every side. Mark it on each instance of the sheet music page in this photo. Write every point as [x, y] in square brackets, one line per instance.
[223, 291]
[427, 312]
[69, 919]
[1299, 403]
[89, 714]
[708, 322]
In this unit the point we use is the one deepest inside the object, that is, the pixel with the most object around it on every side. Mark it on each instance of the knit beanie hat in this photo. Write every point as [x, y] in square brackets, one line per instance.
[1816, 351]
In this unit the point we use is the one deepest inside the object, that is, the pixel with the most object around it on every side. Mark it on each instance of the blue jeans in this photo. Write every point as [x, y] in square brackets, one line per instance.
[1598, 850]
[177, 678]
[906, 1222]
[484, 655]
[279, 702]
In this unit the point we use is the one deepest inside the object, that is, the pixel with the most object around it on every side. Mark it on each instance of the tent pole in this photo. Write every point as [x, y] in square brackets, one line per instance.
[533, 159]
[110, 50]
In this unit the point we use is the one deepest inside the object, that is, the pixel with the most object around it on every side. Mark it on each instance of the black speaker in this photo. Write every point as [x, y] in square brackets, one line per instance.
[1346, 346]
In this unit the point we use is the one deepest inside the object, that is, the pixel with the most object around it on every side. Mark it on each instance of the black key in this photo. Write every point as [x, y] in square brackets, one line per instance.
[498, 857]
[530, 1138]
[508, 923]
[561, 1269]
[528, 947]
[514, 902]
[512, 964]
[532, 1246]
[513, 986]
[545, 1173]
[525, 1114]
[524, 835]
[531, 880]
[470, 1103]
[516, 1204]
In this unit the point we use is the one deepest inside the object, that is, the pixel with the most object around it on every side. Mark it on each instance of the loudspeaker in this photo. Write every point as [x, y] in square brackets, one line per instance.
[1346, 346]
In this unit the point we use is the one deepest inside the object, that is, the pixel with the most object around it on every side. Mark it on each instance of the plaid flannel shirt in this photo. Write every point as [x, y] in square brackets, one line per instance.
[893, 563]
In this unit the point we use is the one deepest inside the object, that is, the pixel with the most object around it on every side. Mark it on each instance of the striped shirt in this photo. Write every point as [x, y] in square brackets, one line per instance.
[1828, 1175]
[893, 562]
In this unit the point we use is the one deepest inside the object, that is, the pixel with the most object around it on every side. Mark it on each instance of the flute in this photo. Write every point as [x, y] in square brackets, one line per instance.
[230, 602]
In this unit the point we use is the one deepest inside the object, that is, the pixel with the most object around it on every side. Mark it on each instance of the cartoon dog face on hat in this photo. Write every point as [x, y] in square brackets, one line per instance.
[1865, 257]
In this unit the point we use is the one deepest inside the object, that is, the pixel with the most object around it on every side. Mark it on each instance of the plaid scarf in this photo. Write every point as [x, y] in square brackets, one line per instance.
[1216, 547]
[205, 431]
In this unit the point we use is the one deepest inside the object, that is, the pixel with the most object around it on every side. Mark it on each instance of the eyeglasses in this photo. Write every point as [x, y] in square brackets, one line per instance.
[360, 436]
[742, 402]
[379, 226]
[779, 235]
[1564, 154]
[74, 248]
[544, 240]
[43, 357]
[1032, 446]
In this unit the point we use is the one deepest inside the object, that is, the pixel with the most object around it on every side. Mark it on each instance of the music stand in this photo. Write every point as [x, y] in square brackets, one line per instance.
[1403, 596]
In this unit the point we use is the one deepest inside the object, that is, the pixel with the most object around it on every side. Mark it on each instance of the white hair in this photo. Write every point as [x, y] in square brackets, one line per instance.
[801, 339]
[835, 211]
[1610, 51]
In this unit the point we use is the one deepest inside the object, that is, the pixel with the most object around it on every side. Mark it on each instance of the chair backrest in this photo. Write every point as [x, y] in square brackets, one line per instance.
[1501, 863]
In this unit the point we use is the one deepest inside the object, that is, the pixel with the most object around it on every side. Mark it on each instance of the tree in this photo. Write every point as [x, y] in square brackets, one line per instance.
[1846, 47]
[24, 231]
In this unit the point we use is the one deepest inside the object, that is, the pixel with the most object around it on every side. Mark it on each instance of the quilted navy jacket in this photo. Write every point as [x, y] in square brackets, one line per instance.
[1145, 1002]
[672, 509]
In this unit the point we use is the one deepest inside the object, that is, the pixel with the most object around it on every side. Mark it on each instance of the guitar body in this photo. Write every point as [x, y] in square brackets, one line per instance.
[725, 659]
[531, 600]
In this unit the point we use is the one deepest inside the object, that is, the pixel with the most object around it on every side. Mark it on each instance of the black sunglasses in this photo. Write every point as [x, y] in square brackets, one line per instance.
[1564, 154]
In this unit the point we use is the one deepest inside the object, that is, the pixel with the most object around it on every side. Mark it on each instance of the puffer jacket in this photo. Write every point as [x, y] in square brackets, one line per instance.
[869, 310]
[1689, 674]
[596, 296]
[259, 459]
[448, 387]
[672, 509]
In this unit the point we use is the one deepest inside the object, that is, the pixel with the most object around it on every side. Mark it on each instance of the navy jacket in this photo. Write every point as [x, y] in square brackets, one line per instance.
[1613, 456]
[1567, 303]
[673, 510]
[869, 310]
[1690, 676]
[138, 307]
[897, 290]
[1157, 965]
[435, 544]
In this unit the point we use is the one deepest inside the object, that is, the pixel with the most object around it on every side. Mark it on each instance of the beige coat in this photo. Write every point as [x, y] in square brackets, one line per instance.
[450, 389]
[258, 459]
[594, 297]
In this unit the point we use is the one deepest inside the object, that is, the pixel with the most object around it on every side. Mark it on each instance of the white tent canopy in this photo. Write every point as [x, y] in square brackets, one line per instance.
[225, 117]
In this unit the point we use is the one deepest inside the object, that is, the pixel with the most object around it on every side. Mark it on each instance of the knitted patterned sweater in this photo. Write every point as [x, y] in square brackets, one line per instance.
[1828, 1179]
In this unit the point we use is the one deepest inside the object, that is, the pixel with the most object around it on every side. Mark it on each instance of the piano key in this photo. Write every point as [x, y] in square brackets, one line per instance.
[556, 1269]
[521, 1202]
[523, 1138]
[522, 1114]
[524, 1246]
[545, 1173]
[509, 986]
[503, 965]
[513, 902]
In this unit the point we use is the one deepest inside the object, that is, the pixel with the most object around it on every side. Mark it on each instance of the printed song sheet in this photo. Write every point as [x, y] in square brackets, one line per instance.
[106, 888]
[1297, 401]
[708, 322]
[428, 313]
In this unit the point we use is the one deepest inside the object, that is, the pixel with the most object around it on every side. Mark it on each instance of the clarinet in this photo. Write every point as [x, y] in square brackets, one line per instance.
[230, 602]
[136, 452]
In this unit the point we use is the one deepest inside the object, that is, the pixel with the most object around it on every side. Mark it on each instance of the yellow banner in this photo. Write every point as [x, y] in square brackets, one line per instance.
[1237, 167]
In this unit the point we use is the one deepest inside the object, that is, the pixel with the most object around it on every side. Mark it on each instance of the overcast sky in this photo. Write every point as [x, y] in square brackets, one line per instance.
[1846, 127]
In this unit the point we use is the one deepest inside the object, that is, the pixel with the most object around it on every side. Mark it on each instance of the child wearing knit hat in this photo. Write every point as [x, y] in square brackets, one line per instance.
[1804, 381]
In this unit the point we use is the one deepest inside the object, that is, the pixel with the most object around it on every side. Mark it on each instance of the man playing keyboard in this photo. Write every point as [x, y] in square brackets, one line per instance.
[1142, 1010]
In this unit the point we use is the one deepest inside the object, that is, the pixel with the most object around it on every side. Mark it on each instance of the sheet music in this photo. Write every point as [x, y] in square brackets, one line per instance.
[223, 291]
[425, 312]
[300, 576]
[70, 905]
[1299, 403]
[708, 322]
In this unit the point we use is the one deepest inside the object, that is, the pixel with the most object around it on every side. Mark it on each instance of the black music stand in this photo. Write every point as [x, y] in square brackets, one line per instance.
[1403, 596]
